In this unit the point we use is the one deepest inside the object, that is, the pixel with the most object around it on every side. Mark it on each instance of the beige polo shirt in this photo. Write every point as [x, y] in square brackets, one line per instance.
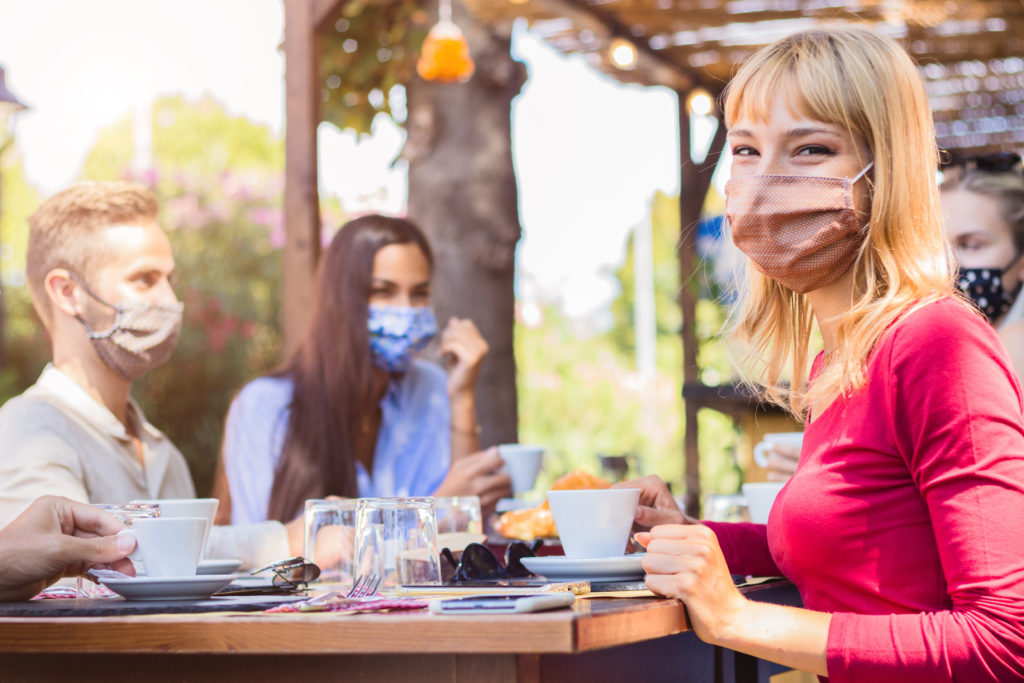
[56, 439]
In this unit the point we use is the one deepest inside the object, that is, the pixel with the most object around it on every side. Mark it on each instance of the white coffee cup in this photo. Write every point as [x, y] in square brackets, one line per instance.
[169, 546]
[522, 464]
[188, 507]
[768, 441]
[760, 498]
[594, 523]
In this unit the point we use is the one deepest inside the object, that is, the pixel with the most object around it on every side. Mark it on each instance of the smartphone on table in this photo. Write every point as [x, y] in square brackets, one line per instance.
[502, 604]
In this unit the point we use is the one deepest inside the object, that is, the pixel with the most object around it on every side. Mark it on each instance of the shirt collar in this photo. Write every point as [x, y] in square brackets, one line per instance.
[64, 390]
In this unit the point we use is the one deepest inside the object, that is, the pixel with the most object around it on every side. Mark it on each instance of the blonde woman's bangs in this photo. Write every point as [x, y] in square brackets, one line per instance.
[803, 75]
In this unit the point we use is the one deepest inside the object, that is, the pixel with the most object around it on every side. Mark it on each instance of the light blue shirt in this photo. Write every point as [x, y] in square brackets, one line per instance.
[413, 446]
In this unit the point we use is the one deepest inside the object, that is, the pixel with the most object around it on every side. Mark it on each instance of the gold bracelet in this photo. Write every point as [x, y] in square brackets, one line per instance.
[474, 432]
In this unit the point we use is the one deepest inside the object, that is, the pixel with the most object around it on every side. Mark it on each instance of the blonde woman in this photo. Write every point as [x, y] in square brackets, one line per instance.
[901, 525]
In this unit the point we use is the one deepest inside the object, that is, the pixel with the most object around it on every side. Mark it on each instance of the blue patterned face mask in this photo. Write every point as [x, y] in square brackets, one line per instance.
[398, 332]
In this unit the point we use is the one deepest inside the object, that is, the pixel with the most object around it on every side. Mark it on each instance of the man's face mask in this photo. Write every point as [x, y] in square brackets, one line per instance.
[985, 288]
[802, 231]
[142, 336]
[399, 332]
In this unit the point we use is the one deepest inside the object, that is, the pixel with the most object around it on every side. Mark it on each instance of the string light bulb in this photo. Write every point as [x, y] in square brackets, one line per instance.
[622, 53]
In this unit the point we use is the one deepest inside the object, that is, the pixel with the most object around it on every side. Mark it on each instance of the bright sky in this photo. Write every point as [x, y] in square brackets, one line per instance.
[589, 152]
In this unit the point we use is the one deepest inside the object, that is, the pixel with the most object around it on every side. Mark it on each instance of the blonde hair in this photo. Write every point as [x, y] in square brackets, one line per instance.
[62, 231]
[866, 84]
[1005, 187]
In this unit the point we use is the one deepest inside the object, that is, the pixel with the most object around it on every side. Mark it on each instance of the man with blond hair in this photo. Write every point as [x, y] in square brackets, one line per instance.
[98, 270]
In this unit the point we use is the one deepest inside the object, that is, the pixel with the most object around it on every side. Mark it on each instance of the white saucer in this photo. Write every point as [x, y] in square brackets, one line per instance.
[221, 566]
[168, 588]
[561, 568]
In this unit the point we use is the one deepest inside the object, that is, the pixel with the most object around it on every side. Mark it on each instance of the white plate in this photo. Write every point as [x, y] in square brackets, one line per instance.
[168, 588]
[218, 566]
[561, 568]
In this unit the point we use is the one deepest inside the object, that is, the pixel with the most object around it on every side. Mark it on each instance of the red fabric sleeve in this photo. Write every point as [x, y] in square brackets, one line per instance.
[955, 407]
[745, 547]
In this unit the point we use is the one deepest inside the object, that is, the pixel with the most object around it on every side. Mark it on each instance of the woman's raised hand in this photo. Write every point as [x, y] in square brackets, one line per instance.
[463, 349]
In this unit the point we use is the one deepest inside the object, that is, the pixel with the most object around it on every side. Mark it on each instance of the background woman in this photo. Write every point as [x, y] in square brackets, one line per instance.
[353, 412]
[900, 526]
[983, 206]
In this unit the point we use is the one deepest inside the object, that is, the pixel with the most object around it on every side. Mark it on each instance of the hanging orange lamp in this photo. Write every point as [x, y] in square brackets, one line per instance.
[445, 55]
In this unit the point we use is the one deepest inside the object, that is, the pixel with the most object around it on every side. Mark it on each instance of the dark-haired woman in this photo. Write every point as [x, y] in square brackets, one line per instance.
[353, 412]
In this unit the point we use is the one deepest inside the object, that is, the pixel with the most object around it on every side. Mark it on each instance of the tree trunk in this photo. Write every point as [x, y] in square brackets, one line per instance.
[462, 192]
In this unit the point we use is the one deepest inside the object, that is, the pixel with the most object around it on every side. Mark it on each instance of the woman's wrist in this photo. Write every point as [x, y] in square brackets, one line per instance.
[464, 412]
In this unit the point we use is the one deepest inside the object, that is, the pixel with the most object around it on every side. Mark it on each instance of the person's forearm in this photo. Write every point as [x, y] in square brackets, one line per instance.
[465, 430]
[791, 636]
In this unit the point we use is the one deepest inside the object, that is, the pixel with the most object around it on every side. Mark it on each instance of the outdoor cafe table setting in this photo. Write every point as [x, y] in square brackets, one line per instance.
[387, 598]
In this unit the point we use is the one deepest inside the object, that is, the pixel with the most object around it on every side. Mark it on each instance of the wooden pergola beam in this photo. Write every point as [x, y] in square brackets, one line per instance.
[694, 182]
[301, 194]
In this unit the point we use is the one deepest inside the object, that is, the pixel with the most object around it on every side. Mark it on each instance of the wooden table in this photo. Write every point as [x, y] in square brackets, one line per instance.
[598, 640]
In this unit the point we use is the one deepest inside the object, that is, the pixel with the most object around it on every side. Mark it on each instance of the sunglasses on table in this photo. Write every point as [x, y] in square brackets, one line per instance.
[478, 563]
[291, 574]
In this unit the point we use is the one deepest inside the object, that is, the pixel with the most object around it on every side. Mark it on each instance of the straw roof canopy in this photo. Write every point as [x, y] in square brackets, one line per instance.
[970, 51]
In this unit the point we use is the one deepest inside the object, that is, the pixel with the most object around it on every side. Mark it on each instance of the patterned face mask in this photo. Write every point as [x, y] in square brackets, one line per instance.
[984, 287]
[801, 231]
[397, 333]
[142, 336]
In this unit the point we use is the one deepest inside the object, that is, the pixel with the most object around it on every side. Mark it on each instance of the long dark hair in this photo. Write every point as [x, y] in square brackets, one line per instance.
[332, 371]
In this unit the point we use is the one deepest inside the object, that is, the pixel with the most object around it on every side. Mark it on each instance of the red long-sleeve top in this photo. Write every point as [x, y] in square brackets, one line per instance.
[905, 518]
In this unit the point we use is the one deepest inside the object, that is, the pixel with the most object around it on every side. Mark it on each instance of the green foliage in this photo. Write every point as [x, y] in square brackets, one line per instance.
[194, 136]
[372, 47]
[18, 200]
[580, 396]
[228, 273]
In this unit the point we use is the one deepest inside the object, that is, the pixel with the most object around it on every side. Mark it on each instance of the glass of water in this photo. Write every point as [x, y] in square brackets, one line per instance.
[330, 529]
[396, 540]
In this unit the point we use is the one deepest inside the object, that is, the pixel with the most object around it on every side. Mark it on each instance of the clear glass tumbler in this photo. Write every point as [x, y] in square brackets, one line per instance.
[330, 529]
[396, 540]
[126, 513]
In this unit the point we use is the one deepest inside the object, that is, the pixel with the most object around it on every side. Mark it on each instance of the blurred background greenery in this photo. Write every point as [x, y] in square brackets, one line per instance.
[579, 392]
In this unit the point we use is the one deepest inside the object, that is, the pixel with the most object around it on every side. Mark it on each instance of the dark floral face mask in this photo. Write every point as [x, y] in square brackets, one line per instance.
[984, 287]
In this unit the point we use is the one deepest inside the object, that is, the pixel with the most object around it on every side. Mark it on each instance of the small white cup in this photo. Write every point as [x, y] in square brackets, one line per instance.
[188, 507]
[760, 498]
[594, 523]
[522, 464]
[792, 439]
[169, 546]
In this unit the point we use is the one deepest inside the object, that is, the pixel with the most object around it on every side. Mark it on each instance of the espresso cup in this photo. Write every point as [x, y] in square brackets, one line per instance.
[769, 441]
[522, 463]
[169, 546]
[188, 507]
[760, 498]
[594, 523]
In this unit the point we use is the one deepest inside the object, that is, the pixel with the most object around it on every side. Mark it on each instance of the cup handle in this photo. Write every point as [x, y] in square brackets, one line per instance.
[135, 553]
[761, 454]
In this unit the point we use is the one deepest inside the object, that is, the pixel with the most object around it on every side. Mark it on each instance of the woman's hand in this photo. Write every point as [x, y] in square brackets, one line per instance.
[56, 537]
[478, 475]
[782, 461]
[464, 349]
[656, 505]
[685, 562]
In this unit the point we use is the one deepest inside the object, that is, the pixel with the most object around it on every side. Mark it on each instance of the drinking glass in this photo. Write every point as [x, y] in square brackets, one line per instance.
[330, 537]
[726, 507]
[126, 513]
[396, 539]
[458, 514]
